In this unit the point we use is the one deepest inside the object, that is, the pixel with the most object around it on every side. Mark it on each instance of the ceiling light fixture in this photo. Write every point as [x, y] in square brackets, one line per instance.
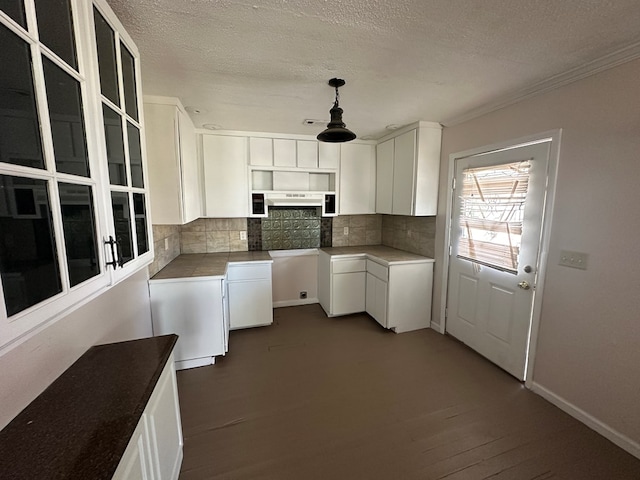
[337, 131]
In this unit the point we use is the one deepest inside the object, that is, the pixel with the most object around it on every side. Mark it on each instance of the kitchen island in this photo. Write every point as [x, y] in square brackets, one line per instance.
[90, 422]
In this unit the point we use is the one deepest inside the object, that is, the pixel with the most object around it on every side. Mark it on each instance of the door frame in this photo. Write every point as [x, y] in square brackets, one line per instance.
[552, 172]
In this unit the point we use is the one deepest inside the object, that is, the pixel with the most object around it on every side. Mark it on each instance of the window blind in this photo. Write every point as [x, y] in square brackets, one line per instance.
[492, 214]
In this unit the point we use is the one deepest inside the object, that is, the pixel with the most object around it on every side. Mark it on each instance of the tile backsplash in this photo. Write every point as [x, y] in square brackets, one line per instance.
[164, 235]
[288, 227]
[354, 230]
[211, 235]
[291, 227]
[412, 234]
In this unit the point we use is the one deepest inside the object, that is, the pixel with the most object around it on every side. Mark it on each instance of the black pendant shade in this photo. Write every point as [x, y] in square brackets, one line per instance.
[337, 131]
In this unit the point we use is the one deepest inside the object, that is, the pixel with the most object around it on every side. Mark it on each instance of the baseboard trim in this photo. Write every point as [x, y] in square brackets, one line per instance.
[295, 303]
[603, 429]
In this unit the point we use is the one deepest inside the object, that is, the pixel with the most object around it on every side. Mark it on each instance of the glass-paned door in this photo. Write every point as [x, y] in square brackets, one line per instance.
[118, 67]
[49, 228]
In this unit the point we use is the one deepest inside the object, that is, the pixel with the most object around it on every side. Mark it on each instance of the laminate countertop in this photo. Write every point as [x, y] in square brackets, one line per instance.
[79, 427]
[386, 255]
[207, 264]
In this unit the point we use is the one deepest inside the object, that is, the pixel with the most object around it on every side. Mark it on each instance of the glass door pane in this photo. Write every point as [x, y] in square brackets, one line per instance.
[20, 141]
[106, 43]
[67, 122]
[15, 9]
[129, 81]
[122, 223]
[135, 155]
[140, 211]
[28, 258]
[55, 28]
[79, 223]
[115, 146]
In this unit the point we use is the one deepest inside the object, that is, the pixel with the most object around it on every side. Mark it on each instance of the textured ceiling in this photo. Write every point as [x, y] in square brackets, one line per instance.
[264, 65]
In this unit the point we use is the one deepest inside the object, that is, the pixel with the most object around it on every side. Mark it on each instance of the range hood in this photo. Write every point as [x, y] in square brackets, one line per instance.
[294, 199]
[262, 201]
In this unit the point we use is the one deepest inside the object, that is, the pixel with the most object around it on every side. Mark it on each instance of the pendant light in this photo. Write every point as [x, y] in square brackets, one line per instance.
[337, 131]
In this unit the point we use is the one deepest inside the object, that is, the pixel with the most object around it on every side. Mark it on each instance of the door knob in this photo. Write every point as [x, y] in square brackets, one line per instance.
[524, 285]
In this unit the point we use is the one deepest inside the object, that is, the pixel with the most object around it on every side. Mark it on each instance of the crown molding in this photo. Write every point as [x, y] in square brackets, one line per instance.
[606, 62]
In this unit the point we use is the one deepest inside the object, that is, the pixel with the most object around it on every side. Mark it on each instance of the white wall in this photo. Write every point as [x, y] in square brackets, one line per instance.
[588, 351]
[121, 313]
[294, 271]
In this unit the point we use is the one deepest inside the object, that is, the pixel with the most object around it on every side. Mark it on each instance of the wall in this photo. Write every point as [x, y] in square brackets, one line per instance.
[121, 313]
[295, 271]
[587, 354]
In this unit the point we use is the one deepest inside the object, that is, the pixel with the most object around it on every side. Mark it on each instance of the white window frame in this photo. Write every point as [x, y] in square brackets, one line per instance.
[21, 326]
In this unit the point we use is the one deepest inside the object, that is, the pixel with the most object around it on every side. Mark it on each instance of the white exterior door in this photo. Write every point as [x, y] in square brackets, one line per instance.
[496, 225]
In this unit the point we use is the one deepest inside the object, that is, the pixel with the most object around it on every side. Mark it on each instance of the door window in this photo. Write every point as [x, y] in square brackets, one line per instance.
[492, 212]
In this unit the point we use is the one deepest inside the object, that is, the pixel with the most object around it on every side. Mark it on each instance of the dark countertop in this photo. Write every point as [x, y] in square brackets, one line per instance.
[207, 264]
[79, 427]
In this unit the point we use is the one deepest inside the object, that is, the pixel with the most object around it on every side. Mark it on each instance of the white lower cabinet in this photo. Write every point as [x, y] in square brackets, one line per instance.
[397, 295]
[377, 291]
[155, 449]
[193, 309]
[250, 295]
[346, 282]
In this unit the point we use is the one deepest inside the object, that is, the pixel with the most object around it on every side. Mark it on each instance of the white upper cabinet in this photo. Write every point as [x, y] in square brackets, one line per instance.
[174, 173]
[307, 154]
[284, 152]
[384, 177]
[261, 152]
[357, 179]
[407, 171]
[328, 155]
[225, 176]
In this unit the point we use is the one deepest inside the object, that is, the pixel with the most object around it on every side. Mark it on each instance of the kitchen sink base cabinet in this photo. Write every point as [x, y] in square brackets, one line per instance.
[250, 294]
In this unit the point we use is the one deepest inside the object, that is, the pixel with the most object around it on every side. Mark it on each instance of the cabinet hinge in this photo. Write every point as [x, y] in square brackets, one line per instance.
[453, 183]
[450, 250]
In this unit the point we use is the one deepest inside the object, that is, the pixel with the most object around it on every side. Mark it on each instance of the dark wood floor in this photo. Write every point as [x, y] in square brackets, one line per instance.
[317, 398]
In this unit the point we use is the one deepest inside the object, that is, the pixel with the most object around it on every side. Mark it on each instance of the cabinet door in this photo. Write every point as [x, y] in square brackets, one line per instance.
[134, 464]
[192, 310]
[328, 155]
[164, 176]
[370, 295]
[261, 151]
[225, 176]
[307, 154]
[357, 179]
[404, 153]
[250, 304]
[348, 293]
[376, 300]
[165, 430]
[384, 177]
[189, 170]
[284, 152]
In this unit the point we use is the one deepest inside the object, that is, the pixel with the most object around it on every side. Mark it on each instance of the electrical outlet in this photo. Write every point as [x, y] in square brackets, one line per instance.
[243, 235]
[346, 230]
[166, 244]
[573, 259]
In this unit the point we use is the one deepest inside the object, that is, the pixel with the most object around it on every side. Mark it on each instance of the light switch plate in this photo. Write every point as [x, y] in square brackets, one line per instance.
[573, 259]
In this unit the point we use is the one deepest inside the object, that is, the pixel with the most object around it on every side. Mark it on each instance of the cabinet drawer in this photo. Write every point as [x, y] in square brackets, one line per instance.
[347, 266]
[378, 270]
[248, 272]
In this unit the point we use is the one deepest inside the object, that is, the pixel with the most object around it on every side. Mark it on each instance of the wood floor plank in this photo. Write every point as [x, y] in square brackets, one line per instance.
[312, 397]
